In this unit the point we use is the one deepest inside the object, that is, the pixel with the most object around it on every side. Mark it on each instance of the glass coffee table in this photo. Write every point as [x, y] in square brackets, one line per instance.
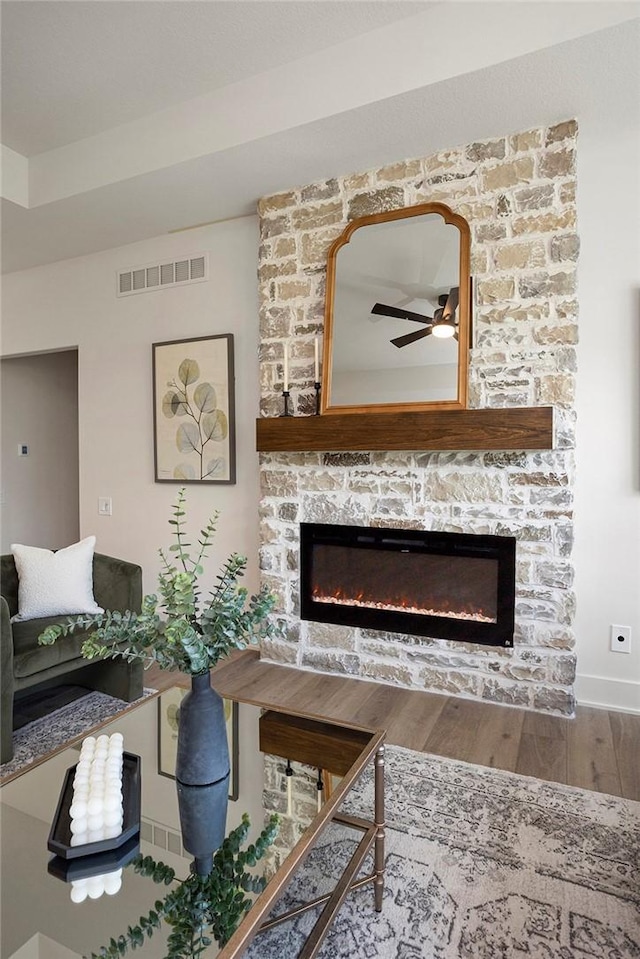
[297, 766]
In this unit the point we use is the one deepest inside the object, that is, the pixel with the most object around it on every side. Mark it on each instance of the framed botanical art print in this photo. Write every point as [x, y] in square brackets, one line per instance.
[194, 410]
[168, 719]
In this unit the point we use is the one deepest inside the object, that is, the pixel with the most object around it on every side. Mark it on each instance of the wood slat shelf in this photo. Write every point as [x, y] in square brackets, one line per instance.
[520, 428]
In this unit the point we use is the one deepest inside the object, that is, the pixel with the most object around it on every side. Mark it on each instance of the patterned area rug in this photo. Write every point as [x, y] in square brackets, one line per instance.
[52, 732]
[480, 864]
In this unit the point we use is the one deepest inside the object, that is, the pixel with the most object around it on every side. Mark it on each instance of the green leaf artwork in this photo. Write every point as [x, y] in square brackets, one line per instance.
[205, 423]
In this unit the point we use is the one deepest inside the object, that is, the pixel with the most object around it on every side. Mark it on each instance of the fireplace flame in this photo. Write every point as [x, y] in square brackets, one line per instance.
[341, 599]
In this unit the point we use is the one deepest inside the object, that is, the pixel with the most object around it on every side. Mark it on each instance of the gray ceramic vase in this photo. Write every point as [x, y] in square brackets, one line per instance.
[203, 752]
[203, 821]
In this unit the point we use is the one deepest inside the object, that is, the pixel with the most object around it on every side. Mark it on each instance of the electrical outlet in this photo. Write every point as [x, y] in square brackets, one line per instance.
[620, 639]
[104, 505]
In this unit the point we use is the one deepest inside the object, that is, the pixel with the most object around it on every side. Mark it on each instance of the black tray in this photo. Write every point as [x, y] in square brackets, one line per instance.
[59, 841]
[101, 862]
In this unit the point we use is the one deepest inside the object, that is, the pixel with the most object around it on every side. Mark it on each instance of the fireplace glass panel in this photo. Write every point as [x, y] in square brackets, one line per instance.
[460, 587]
[442, 585]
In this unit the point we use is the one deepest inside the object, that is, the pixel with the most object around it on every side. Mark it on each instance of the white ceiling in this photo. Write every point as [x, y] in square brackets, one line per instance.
[131, 118]
[72, 69]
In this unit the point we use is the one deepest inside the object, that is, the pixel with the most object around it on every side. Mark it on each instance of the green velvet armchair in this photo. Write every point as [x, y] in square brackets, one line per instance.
[24, 665]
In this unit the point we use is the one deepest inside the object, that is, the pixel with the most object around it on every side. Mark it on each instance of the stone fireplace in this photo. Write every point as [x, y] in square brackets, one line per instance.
[518, 195]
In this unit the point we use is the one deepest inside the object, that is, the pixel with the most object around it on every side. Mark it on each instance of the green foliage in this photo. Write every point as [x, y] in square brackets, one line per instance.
[201, 908]
[181, 630]
[204, 422]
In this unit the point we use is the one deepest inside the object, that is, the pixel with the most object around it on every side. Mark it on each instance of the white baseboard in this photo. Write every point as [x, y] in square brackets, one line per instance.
[620, 694]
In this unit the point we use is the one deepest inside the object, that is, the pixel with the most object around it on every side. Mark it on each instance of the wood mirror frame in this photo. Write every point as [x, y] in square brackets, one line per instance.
[463, 279]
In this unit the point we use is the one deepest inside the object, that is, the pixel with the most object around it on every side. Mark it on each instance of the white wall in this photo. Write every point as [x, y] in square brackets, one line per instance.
[607, 546]
[39, 491]
[409, 384]
[74, 303]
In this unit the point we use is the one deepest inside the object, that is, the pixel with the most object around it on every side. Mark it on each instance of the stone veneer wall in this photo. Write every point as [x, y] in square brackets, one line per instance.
[294, 818]
[518, 194]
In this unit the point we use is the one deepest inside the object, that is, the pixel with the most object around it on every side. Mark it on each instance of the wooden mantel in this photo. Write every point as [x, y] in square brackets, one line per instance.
[520, 428]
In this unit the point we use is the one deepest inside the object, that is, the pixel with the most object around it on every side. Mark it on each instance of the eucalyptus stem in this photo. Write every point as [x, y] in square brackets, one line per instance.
[179, 630]
[200, 908]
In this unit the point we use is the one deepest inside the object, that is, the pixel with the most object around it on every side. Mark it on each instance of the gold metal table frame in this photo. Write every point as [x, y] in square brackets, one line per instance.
[345, 751]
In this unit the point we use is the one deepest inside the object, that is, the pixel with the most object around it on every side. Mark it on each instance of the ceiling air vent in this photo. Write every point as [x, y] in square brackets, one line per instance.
[156, 276]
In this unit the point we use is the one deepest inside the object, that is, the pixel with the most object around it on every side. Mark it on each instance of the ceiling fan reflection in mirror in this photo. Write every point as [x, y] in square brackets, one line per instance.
[442, 324]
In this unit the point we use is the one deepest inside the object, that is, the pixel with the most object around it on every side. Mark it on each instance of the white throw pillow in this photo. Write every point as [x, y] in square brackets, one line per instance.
[55, 584]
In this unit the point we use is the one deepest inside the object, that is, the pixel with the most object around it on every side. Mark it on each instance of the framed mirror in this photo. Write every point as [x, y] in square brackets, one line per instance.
[397, 316]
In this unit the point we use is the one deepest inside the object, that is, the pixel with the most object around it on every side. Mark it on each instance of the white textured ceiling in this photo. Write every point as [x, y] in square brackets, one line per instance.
[127, 140]
[72, 68]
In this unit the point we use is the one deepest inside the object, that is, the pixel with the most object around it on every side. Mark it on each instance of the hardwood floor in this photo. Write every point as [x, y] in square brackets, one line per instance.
[598, 750]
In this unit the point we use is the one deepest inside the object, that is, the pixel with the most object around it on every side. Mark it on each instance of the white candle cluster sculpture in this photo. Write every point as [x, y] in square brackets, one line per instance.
[109, 882]
[96, 808]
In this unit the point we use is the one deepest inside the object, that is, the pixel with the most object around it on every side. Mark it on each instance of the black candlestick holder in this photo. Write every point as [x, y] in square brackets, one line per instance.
[287, 412]
[316, 386]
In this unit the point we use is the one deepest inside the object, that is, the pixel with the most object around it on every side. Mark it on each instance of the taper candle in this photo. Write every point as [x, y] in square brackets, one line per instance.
[286, 367]
[316, 359]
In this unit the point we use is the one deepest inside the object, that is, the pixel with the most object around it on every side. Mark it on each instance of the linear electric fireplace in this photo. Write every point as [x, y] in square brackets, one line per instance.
[443, 585]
